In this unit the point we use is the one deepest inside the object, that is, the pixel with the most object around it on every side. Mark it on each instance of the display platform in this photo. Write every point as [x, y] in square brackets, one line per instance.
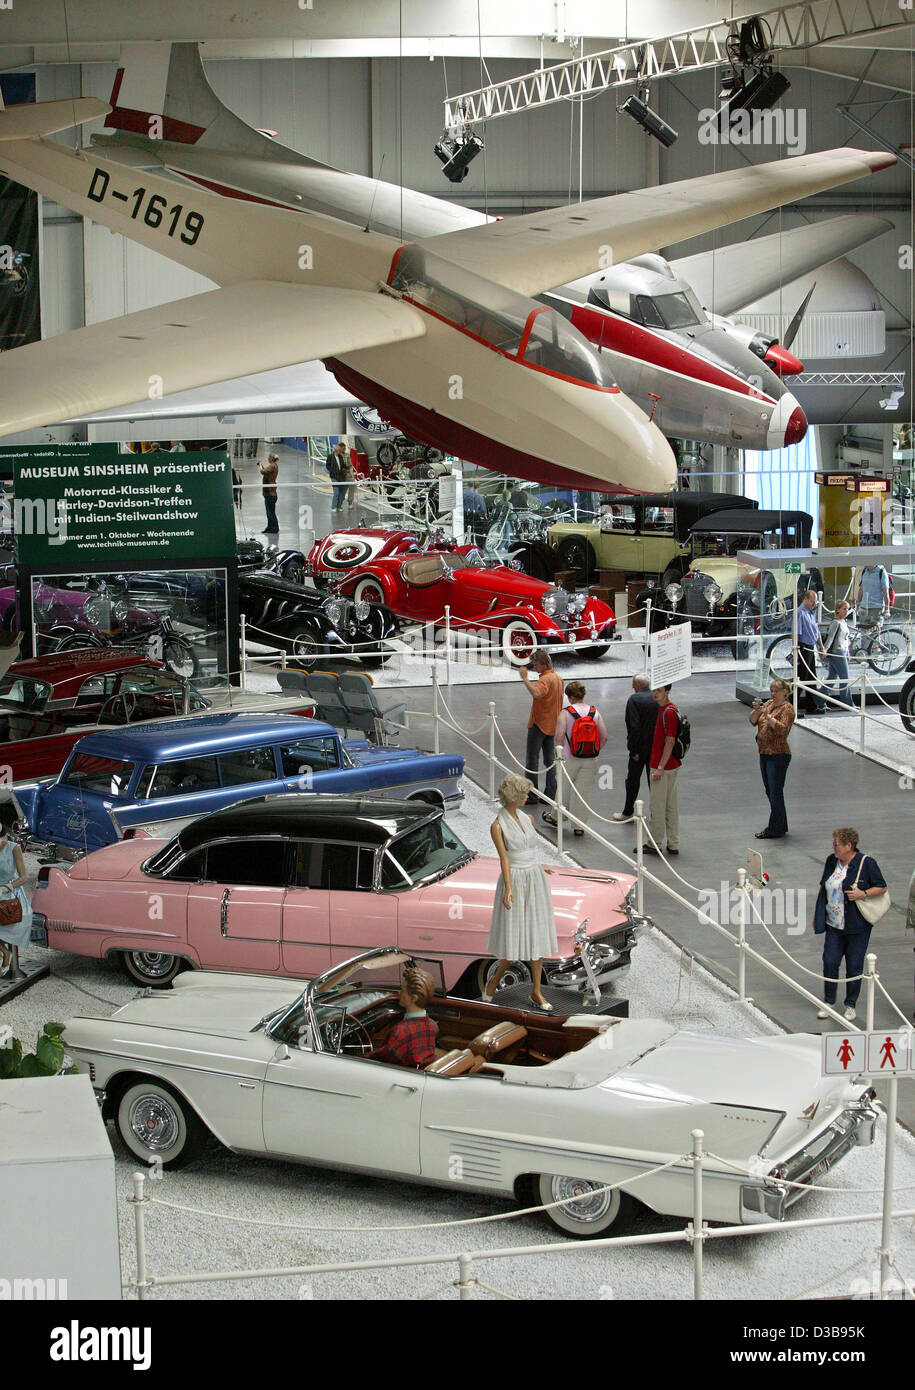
[31, 971]
[519, 997]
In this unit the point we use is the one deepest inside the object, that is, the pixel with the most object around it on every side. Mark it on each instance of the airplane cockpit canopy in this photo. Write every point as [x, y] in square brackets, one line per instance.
[498, 315]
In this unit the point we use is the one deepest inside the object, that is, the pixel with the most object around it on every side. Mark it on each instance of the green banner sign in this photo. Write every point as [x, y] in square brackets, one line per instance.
[90, 505]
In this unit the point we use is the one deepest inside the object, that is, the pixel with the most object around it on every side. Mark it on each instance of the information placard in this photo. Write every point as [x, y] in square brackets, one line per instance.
[670, 655]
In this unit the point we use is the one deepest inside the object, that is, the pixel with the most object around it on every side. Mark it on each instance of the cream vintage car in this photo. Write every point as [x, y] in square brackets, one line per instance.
[545, 1108]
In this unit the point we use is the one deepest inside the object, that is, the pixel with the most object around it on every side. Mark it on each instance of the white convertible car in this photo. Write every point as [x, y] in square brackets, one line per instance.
[547, 1108]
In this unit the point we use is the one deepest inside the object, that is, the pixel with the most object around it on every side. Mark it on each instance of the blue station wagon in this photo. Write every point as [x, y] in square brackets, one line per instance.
[160, 776]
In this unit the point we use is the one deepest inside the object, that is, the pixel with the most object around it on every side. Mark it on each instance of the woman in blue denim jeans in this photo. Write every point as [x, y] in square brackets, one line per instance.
[772, 720]
[835, 648]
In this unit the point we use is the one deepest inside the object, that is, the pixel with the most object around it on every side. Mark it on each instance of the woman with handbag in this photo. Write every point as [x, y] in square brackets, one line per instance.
[15, 909]
[853, 897]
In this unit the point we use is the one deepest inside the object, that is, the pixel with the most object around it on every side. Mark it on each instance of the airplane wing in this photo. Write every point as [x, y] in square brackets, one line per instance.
[731, 277]
[247, 327]
[306, 386]
[533, 253]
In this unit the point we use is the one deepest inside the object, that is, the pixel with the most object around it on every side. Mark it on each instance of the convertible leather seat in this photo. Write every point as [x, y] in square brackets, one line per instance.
[498, 1039]
[428, 569]
[460, 1061]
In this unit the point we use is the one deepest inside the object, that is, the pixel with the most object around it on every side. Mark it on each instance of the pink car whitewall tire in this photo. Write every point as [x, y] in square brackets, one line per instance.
[153, 968]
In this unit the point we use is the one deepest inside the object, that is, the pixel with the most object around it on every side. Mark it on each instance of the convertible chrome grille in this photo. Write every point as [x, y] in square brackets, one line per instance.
[695, 603]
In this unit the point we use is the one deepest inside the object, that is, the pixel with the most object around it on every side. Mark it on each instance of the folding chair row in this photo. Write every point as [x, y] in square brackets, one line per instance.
[347, 701]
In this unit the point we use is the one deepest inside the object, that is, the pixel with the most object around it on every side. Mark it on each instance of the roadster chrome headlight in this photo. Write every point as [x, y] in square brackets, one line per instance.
[335, 609]
[362, 611]
[119, 611]
[93, 610]
[713, 592]
[674, 592]
[554, 601]
[577, 603]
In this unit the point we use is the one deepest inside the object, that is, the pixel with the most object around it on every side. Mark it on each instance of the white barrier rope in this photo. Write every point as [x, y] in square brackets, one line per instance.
[424, 1225]
[892, 1003]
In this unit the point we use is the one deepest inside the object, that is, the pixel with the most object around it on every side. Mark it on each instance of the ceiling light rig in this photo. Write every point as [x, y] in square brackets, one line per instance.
[752, 83]
[456, 149]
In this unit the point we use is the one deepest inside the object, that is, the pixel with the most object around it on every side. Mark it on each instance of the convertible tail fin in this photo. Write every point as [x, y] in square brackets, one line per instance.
[34, 118]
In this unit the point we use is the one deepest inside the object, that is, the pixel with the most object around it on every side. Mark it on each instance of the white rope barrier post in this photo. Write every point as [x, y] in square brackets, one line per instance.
[560, 800]
[870, 982]
[698, 1235]
[889, 1169]
[447, 644]
[435, 740]
[862, 735]
[639, 858]
[742, 936]
[140, 1201]
[242, 645]
[796, 650]
[492, 750]
[465, 1277]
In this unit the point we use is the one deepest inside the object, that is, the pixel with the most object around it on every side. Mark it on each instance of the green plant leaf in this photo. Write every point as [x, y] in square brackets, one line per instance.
[53, 1030]
[50, 1055]
[30, 1066]
[10, 1059]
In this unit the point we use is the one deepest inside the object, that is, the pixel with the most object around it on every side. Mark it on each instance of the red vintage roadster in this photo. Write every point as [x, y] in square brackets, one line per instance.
[520, 612]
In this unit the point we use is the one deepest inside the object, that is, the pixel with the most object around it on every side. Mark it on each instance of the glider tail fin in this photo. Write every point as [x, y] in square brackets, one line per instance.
[161, 92]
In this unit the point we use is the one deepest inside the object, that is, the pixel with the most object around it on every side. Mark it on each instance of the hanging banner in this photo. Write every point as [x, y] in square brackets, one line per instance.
[92, 506]
[20, 299]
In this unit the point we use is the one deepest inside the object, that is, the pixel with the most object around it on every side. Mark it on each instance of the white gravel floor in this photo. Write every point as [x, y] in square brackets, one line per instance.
[829, 1261]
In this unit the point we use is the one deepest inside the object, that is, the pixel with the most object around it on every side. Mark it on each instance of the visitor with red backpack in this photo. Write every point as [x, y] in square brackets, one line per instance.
[671, 741]
[580, 735]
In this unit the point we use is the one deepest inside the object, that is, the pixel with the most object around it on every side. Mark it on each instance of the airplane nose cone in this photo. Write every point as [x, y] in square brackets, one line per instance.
[788, 424]
[783, 362]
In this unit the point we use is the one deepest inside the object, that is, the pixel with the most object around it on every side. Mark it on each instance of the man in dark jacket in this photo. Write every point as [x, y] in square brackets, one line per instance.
[641, 717]
[848, 877]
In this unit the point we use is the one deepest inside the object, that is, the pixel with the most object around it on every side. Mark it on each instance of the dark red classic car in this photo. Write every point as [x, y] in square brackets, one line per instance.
[522, 613]
[342, 551]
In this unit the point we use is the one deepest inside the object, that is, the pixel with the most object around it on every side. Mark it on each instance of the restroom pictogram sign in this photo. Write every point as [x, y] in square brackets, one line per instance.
[883, 1052]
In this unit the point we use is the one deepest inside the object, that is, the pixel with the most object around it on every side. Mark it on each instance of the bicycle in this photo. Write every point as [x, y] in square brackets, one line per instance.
[886, 650]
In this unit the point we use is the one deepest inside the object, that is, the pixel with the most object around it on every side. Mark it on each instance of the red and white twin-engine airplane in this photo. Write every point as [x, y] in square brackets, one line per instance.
[444, 335]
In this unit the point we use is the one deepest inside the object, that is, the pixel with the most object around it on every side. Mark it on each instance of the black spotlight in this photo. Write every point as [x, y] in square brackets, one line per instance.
[649, 120]
[456, 153]
[757, 93]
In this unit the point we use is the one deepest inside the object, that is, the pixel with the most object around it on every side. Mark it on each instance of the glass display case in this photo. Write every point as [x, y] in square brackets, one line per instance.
[878, 583]
[178, 617]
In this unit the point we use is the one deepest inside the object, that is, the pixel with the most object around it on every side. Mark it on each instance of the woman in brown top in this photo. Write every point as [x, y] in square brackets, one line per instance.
[772, 720]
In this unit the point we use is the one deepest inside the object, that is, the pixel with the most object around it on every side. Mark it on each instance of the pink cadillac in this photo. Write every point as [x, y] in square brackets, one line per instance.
[289, 885]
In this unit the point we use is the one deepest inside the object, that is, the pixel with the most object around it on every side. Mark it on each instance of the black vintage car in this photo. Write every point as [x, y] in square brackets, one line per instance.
[311, 626]
[289, 564]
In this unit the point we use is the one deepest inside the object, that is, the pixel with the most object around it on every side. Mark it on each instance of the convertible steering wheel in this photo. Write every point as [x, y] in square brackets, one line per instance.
[120, 709]
[366, 1048]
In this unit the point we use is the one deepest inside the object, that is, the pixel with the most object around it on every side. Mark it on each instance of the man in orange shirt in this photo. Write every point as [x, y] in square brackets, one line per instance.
[546, 704]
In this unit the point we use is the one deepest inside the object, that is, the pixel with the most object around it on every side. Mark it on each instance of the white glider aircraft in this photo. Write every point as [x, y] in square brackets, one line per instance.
[443, 336]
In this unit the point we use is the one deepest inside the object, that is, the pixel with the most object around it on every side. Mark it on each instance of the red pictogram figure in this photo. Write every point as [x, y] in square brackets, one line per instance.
[888, 1055]
[845, 1053]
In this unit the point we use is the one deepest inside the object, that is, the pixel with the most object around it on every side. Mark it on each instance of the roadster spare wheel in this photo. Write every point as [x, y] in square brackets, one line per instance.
[519, 642]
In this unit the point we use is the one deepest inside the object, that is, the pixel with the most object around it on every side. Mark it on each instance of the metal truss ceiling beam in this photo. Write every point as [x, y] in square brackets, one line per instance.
[796, 26]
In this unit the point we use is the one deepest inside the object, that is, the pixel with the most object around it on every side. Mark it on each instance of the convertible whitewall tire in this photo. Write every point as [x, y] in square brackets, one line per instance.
[154, 1123]
[592, 1215]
